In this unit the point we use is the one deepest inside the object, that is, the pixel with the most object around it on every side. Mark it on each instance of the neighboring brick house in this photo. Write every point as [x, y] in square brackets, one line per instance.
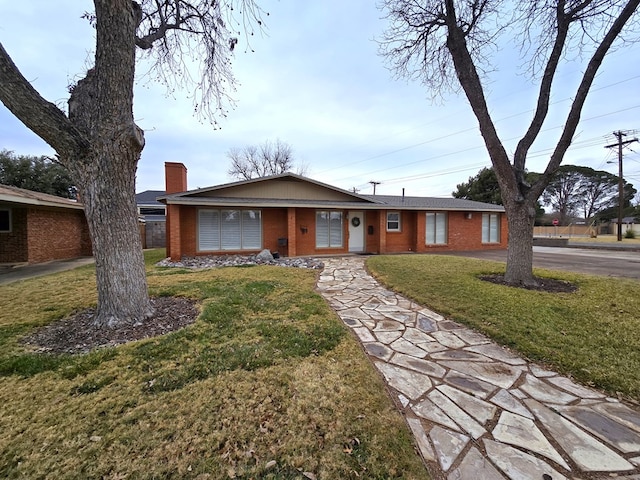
[296, 216]
[36, 227]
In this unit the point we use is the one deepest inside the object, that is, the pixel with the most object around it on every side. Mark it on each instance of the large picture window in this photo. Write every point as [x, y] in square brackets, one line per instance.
[5, 220]
[328, 229]
[490, 228]
[436, 228]
[229, 230]
[393, 221]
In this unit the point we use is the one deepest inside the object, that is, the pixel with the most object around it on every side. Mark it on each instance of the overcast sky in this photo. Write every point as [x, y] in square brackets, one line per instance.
[316, 81]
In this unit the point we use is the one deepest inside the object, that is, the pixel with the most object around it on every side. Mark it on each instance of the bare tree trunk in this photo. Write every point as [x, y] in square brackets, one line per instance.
[520, 219]
[111, 213]
[101, 105]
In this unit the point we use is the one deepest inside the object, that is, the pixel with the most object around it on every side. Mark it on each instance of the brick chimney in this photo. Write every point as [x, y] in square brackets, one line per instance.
[175, 174]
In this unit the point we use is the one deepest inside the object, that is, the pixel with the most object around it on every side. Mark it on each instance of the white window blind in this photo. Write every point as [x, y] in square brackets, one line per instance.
[328, 229]
[490, 228]
[208, 230]
[229, 230]
[251, 229]
[436, 228]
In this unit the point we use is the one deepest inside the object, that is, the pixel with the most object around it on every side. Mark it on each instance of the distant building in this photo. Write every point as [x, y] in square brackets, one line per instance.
[152, 218]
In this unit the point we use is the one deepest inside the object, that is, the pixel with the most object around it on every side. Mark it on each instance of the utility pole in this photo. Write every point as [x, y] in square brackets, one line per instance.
[620, 143]
[374, 183]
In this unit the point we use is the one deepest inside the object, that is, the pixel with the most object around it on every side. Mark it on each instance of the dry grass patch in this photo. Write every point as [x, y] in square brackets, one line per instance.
[266, 384]
[592, 334]
[606, 239]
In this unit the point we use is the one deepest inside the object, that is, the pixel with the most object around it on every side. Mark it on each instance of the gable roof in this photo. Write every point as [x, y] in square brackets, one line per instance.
[20, 196]
[273, 191]
[218, 190]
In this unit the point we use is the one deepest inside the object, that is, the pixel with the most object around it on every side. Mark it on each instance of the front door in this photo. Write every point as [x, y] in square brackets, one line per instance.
[356, 232]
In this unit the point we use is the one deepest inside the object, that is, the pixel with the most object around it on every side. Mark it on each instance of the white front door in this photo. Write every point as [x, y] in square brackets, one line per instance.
[356, 232]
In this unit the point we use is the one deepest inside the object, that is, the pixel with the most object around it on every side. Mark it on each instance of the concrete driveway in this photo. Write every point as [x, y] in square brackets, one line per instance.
[10, 274]
[606, 262]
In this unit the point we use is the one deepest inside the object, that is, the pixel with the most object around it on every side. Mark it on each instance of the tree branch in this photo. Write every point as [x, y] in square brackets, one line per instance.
[42, 117]
[573, 118]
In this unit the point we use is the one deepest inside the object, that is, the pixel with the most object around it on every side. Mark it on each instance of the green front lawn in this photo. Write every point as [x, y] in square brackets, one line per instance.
[592, 334]
[267, 384]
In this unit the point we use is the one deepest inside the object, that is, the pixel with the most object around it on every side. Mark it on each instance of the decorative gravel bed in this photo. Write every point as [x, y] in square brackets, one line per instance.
[213, 261]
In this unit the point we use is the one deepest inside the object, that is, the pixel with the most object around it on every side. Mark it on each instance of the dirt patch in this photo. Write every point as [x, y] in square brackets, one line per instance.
[549, 285]
[77, 333]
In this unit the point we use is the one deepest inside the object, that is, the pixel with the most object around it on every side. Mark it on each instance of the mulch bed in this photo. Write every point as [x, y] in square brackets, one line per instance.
[549, 285]
[78, 334]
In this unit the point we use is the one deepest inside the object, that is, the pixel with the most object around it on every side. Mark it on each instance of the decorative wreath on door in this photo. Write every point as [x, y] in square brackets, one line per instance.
[355, 221]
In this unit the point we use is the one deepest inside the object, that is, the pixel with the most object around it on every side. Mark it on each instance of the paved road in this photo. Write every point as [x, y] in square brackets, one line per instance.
[596, 262]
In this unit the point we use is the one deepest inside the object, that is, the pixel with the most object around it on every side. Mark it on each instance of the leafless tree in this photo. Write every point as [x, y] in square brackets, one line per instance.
[269, 158]
[98, 140]
[449, 43]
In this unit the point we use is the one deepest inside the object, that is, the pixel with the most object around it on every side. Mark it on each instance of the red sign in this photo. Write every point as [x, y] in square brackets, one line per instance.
[555, 221]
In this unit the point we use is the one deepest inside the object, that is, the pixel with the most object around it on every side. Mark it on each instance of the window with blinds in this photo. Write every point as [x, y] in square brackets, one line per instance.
[436, 233]
[328, 229]
[490, 228]
[229, 230]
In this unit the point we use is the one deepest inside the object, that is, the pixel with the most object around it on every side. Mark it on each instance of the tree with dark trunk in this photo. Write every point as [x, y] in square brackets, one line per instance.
[98, 141]
[448, 43]
[254, 161]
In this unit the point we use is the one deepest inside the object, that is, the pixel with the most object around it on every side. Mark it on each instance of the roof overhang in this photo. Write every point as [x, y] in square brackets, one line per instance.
[221, 202]
[39, 202]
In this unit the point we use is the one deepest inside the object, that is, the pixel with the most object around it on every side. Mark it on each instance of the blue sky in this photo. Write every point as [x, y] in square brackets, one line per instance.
[315, 81]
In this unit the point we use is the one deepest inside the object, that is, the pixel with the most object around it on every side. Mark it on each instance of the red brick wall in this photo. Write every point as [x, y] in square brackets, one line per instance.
[405, 239]
[463, 233]
[45, 234]
[274, 227]
[372, 241]
[55, 234]
[188, 230]
[13, 245]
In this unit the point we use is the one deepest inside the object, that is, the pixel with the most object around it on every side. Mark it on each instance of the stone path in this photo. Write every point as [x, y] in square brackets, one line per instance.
[477, 411]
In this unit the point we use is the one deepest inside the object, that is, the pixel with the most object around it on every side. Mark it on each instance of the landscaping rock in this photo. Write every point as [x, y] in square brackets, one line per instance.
[214, 261]
[264, 256]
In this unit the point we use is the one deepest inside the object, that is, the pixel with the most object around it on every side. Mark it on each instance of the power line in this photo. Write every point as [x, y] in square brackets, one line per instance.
[474, 129]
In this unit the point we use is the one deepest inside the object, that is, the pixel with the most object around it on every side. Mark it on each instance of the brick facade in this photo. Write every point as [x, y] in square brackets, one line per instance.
[462, 234]
[291, 230]
[42, 234]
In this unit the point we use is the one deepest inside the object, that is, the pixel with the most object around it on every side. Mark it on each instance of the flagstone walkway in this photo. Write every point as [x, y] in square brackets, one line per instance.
[476, 410]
